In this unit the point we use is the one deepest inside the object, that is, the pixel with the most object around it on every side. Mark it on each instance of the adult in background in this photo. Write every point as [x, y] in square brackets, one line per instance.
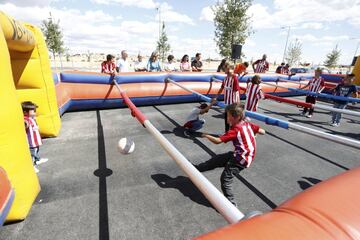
[285, 70]
[184, 64]
[139, 65]
[221, 67]
[153, 64]
[279, 68]
[109, 66]
[170, 65]
[261, 65]
[196, 64]
[123, 65]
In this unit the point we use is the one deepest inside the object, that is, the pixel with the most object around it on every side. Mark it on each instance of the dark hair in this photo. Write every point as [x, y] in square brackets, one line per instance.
[170, 57]
[221, 65]
[256, 79]
[197, 54]
[246, 64]
[282, 64]
[235, 110]
[183, 58]
[203, 106]
[350, 75]
[109, 57]
[28, 105]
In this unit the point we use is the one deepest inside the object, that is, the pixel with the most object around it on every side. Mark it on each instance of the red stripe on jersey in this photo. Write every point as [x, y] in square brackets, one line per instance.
[261, 66]
[108, 67]
[32, 132]
[231, 93]
[253, 94]
[316, 84]
[243, 137]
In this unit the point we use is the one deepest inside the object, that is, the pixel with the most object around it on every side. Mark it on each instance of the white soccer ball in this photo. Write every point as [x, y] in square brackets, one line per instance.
[126, 146]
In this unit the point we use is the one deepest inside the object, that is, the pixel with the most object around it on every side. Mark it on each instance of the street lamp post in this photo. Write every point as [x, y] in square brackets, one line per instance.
[287, 39]
[159, 11]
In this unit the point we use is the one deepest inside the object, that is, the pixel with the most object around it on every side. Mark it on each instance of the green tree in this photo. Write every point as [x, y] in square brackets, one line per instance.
[232, 24]
[53, 36]
[294, 51]
[333, 57]
[163, 47]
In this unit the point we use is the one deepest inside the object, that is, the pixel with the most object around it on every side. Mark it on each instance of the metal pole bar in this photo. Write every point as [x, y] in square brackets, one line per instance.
[215, 197]
[287, 125]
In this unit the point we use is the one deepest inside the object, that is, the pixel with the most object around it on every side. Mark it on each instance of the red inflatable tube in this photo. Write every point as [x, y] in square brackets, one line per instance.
[290, 101]
[285, 100]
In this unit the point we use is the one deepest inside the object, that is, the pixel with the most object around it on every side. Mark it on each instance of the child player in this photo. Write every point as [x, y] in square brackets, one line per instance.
[315, 85]
[253, 94]
[242, 134]
[193, 122]
[109, 66]
[32, 133]
[231, 89]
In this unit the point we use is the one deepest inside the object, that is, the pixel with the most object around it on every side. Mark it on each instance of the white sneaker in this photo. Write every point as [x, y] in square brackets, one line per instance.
[334, 124]
[36, 169]
[42, 160]
[309, 116]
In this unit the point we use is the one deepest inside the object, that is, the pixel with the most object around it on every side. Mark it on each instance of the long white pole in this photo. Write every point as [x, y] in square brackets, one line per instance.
[217, 199]
[212, 194]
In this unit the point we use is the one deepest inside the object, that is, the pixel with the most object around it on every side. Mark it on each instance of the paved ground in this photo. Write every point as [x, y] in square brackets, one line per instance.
[90, 191]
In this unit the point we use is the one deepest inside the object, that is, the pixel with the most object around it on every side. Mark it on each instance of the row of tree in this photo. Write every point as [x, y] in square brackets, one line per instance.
[232, 25]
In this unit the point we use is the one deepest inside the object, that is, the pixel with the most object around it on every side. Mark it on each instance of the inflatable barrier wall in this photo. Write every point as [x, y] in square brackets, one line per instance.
[25, 76]
[85, 90]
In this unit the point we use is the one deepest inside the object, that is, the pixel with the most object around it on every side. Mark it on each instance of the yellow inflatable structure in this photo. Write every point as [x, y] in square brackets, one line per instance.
[356, 71]
[25, 76]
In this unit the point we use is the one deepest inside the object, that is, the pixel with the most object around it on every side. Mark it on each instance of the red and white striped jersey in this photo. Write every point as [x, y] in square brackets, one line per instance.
[253, 94]
[316, 84]
[231, 89]
[284, 70]
[108, 67]
[261, 66]
[32, 132]
[243, 137]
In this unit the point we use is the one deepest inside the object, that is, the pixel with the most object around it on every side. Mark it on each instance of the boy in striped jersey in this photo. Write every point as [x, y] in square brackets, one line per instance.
[315, 85]
[32, 133]
[253, 94]
[261, 65]
[242, 134]
[109, 66]
[231, 87]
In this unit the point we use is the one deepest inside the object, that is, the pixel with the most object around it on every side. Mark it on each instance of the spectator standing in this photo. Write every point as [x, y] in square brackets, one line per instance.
[221, 67]
[196, 64]
[153, 64]
[170, 65]
[123, 65]
[139, 65]
[184, 64]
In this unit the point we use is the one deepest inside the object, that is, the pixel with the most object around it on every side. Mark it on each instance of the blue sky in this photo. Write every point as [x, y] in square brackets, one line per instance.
[110, 26]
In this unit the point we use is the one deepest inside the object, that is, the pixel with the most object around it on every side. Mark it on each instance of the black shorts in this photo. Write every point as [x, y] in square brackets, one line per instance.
[310, 99]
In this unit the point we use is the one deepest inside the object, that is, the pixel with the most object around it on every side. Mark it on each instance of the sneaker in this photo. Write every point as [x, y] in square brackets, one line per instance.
[334, 124]
[42, 160]
[309, 116]
[36, 169]
[302, 114]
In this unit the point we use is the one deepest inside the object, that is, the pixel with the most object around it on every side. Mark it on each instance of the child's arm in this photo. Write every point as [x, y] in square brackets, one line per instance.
[212, 139]
[261, 131]
[213, 101]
